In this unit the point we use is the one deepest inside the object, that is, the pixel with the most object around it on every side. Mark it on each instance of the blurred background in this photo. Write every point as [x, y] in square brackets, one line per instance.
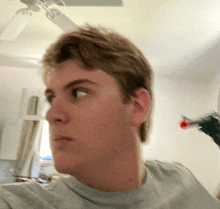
[180, 39]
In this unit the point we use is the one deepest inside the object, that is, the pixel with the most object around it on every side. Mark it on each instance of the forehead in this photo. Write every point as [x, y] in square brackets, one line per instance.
[72, 70]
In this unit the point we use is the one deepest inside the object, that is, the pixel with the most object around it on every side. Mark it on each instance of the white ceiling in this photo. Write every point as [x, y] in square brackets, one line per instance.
[178, 37]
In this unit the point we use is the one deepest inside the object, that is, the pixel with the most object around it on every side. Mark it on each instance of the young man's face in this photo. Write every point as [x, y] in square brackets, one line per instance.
[87, 107]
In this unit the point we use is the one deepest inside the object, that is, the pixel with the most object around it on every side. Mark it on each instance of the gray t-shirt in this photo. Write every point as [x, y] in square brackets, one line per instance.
[168, 186]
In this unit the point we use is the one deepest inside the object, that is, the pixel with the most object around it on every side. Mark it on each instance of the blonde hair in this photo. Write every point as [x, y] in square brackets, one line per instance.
[98, 47]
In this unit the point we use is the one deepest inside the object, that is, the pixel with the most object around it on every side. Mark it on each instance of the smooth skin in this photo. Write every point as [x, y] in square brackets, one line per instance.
[104, 152]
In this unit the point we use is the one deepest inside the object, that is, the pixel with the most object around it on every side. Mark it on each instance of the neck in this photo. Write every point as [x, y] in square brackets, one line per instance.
[119, 175]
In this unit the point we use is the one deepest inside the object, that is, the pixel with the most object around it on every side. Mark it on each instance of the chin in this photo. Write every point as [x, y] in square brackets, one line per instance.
[61, 164]
[66, 166]
[62, 168]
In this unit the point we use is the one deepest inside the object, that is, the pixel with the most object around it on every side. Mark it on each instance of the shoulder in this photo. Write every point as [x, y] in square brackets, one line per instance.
[11, 194]
[179, 183]
[170, 171]
[21, 187]
[165, 167]
[28, 186]
[16, 191]
[22, 195]
[3, 203]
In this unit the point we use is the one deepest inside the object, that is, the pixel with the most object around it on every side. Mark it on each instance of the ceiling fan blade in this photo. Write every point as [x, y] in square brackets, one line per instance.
[61, 20]
[15, 26]
[113, 3]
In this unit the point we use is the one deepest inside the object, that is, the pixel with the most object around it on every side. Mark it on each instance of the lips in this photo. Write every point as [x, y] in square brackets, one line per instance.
[58, 137]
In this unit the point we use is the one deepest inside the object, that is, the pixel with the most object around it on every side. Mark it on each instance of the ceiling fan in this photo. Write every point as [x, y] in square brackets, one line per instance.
[21, 18]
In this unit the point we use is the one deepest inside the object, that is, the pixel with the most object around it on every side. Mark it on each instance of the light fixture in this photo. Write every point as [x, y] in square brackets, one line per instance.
[59, 19]
[59, 2]
[22, 16]
[16, 25]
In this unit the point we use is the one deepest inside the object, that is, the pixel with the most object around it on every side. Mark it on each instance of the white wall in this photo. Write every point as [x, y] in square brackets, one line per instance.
[12, 81]
[168, 142]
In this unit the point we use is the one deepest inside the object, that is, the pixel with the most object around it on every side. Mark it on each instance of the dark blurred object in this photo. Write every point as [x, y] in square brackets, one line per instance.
[210, 125]
[39, 180]
[28, 179]
[212, 128]
[24, 179]
[21, 179]
[43, 175]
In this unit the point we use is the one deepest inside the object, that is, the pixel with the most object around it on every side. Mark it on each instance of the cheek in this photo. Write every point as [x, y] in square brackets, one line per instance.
[103, 123]
[106, 99]
[104, 113]
[98, 125]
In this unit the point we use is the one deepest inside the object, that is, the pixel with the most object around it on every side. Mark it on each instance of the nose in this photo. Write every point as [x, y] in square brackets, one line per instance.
[57, 112]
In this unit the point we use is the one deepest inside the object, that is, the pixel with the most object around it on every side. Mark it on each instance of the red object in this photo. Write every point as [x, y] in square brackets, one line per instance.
[43, 165]
[184, 124]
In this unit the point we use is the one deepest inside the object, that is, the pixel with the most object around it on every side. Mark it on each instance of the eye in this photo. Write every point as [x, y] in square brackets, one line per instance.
[50, 98]
[78, 93]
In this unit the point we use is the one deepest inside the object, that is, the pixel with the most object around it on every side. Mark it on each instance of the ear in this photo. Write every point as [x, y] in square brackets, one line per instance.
[141, 106]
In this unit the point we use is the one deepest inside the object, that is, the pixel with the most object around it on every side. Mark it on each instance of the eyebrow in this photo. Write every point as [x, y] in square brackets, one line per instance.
[73, 83]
